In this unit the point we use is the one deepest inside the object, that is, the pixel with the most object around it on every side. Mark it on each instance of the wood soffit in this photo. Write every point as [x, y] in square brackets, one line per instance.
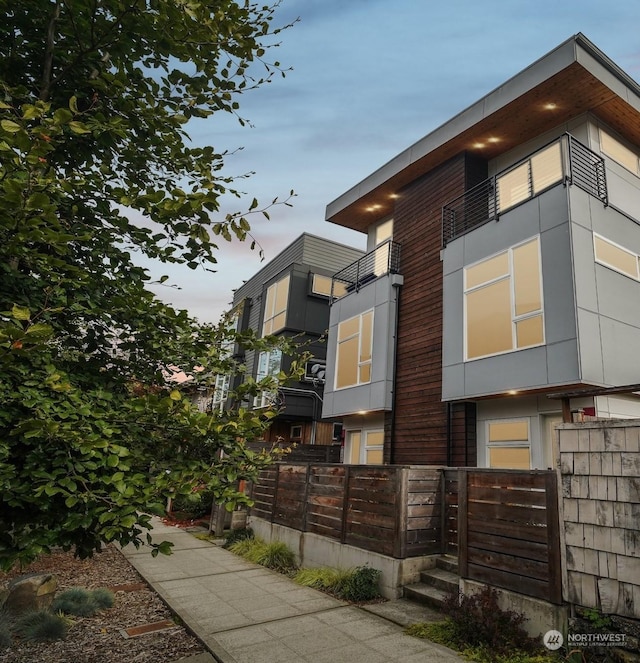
[574, 91]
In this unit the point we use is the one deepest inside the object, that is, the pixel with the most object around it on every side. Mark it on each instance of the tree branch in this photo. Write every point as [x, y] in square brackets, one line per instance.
[45, 85]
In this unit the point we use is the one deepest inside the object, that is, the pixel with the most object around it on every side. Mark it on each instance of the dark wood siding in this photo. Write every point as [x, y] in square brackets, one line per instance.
[420, 428]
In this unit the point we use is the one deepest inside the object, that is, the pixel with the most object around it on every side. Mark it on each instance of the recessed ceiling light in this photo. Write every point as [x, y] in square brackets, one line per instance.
[478, 145]
[493, 139]
[550, 106]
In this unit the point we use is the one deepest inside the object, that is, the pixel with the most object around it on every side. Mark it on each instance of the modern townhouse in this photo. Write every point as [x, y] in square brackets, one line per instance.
[501, 286]
[290, 297]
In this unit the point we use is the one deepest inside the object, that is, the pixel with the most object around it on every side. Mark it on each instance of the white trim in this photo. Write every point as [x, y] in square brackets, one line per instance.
[613, 267]
[514, 318]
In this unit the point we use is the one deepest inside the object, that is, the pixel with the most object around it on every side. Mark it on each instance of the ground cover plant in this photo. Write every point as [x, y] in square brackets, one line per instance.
[479, 628]
[357, 585]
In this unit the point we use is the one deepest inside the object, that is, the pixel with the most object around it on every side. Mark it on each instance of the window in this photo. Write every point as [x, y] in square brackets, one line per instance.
[503, 302]
[615, 257]
[321, 285]
[296, 433]
[268, 366]
[353, 362]
[221, 387]
[383, 235]
[508, 445]
[618, 152]
[220, 392]
[369, 453]
[528, 179]
[275, 309]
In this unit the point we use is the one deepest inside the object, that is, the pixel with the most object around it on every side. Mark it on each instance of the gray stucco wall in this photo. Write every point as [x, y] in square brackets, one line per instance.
[381, 296]
[556, 362]
[607, 302]
[591, 312]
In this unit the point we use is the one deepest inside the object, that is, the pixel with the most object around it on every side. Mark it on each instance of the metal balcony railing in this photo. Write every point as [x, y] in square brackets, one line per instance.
[384, 259]
[563, 160]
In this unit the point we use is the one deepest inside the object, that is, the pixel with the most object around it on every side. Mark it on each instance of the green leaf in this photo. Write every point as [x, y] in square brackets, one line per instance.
[10, 126]
[78, 127]
[20, 312]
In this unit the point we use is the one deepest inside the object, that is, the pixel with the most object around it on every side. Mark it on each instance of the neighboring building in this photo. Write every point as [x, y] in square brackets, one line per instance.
[290, 297]
[503, 266]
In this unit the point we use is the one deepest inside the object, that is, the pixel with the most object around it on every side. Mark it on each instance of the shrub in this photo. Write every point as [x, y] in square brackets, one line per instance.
[75, 601]
[445, 633]
[248, 548]
[361, 584]
[103, 598]
[41, 626]
[237, 535]
[324, 578]
[82, 602]
[277, 556]
[357, 585]
[478, 621]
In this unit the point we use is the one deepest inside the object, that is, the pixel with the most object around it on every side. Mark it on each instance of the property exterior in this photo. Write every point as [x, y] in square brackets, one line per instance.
[290, 297]
[502, 268]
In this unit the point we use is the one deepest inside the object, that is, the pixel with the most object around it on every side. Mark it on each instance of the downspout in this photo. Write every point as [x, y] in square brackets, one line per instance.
[449, 428]
[392, 445]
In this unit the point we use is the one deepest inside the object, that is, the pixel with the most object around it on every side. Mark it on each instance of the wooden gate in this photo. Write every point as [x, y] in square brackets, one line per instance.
[509, 531]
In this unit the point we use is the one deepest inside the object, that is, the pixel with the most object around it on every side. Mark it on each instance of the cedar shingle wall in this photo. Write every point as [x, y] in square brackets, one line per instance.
[420, 435]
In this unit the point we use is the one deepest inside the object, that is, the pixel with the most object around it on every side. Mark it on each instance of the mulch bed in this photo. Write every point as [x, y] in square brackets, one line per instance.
[99, 639]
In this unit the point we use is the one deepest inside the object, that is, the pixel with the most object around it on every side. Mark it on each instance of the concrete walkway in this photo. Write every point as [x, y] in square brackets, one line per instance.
[244, 613]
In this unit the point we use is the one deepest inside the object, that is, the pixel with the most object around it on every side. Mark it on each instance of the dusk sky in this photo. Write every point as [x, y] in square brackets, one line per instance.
[369, 78]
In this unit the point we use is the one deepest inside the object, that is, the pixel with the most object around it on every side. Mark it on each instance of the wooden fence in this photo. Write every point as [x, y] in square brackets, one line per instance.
[392, 510]
[509, 533]
[502, 524]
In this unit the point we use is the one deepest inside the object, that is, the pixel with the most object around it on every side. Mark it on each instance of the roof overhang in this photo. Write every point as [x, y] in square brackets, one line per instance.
[573, 79]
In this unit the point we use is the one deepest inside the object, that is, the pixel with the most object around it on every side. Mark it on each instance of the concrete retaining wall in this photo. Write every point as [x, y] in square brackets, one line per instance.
[313, 551]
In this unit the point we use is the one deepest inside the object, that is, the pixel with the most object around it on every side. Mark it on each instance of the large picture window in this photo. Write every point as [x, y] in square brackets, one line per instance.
[355, 340]
[275, 309]
[503, 302]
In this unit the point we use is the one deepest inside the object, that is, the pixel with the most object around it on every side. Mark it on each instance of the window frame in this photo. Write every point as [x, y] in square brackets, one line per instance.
[615, 245]
[334, 286]
[515, 318]
[617, 157]
[265, 397]
[272, 296]
[507, 444]
[360, 363]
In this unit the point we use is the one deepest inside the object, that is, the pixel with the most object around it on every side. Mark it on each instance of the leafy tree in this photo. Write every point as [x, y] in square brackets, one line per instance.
[96, 171]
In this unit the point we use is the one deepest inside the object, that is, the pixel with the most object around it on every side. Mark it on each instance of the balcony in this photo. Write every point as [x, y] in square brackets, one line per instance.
[383, 260]
[565, 160]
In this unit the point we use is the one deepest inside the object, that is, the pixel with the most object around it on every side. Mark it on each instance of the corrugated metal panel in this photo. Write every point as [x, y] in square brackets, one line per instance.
[327, 254]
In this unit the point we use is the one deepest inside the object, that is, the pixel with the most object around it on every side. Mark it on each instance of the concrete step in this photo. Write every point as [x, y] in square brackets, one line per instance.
[440, 579]
[448, 563]
[425, 594]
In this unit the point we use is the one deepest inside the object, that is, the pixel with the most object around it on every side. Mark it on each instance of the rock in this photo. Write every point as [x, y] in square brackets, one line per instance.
[30, 592]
